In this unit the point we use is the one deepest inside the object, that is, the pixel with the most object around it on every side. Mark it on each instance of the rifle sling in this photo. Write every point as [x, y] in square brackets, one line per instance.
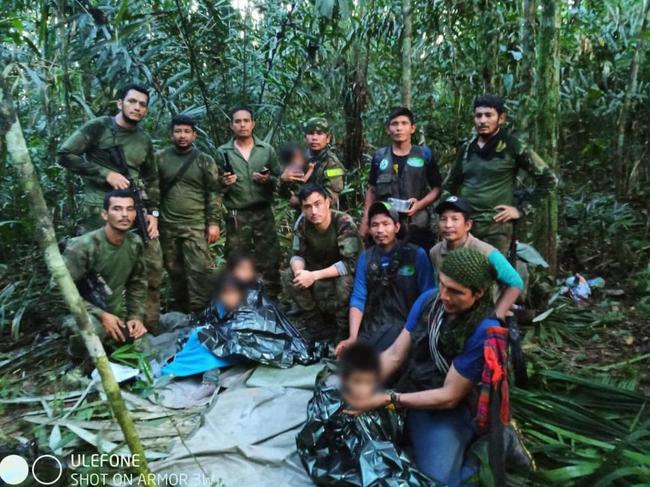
[179, 175]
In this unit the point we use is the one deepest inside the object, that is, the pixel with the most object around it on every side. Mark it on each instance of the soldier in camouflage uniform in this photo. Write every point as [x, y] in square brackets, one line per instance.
[112, 258]
[189, 215]
[86, 153]
[486, 170]
[250, 170]
[320, 278]
[323, 167]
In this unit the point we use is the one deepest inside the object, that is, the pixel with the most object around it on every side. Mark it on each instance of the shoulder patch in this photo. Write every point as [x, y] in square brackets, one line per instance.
[501, 146]
[383, 164]
[334, 172]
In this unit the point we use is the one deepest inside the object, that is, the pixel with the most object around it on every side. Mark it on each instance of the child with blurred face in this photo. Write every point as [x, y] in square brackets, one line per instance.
[360, 371]
[230, 295]
[242, 268]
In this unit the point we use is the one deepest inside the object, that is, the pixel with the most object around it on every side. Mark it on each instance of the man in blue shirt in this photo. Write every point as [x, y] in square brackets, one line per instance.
[389, 277]
[442, 343]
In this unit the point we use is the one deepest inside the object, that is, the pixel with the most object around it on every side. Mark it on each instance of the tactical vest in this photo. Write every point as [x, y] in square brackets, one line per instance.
[421, 372]
[411, 183]
[391, 293]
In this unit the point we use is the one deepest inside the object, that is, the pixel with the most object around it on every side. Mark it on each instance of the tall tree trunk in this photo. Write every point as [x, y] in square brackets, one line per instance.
[355, 99]
[622, 181]
[546, 140]
[527, 36]
[407, 41]
[12, 133]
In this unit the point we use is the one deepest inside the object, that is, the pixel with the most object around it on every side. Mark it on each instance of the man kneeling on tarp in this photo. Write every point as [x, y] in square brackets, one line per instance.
[444, 338]
[107, 264]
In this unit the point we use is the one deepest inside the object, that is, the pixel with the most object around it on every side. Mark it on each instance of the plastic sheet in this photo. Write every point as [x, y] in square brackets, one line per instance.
[361, 451]
[260, 332]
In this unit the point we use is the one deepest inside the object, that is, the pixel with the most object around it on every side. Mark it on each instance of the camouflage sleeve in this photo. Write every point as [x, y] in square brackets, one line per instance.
[349, 243]
[211, 178]
[77, 258]
[544, 179]
[71, 154]
[455, 178]
[151, 179]
[334, 179]
[299, 244]
[136, 287]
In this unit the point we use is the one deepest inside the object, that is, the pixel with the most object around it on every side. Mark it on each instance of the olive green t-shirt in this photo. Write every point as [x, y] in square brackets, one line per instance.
[122, 268]
[192, 201]
[338, 245]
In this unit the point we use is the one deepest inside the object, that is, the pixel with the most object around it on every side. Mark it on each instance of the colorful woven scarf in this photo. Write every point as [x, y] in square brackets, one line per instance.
[494, 380]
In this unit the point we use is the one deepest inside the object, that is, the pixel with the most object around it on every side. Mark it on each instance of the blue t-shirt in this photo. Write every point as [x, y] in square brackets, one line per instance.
[423, 271]
[469, 363]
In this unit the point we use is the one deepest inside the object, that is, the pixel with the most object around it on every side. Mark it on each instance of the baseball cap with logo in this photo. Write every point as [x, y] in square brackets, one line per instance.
[457, 203]
[383, 207]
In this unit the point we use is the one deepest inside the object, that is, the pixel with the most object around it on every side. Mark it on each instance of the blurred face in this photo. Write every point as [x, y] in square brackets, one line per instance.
[242, 124]
[453, 226]
[134, 106]
[183, 136]
[361, 384]
[245, 271]
[455, 297]
[400, 129]
[120, 214]
[317, 140]
[316, 209]
[383, 229]
[487, 121]
[297, 161]
[231, 298]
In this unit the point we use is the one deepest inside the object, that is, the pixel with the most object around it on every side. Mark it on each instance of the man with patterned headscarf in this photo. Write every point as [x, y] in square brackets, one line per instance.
[443, 338]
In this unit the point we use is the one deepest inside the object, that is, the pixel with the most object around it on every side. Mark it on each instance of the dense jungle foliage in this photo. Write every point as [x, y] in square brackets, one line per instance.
[575, 74]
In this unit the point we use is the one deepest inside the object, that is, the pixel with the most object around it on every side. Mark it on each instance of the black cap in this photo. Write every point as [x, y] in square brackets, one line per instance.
[457, 203]
[383, 207]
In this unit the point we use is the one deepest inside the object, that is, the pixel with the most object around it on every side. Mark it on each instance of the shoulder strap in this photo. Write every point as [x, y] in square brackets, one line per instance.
[181, 172]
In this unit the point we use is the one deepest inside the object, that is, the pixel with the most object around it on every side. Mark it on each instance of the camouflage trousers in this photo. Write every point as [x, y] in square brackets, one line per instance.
[91, 220]
[189, 264]
[253, 232]
[323, 306]
[498, 235]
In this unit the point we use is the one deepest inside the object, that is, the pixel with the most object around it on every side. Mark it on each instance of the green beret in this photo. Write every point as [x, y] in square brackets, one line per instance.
[317, 123]
[469, 268]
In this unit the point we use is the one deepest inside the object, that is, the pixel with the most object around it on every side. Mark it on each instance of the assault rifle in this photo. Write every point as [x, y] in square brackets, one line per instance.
[118, 160]
[514, 335]
[93, 288]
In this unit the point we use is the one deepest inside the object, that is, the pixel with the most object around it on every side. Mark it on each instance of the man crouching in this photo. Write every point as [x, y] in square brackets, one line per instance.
[108, 267]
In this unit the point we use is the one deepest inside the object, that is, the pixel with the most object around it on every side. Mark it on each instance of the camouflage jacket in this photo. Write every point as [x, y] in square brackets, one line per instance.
[122, 269]
[487, 176]
[86, 153]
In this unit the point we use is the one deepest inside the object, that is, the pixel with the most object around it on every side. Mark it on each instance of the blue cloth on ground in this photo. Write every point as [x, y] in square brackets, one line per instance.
[194, 358]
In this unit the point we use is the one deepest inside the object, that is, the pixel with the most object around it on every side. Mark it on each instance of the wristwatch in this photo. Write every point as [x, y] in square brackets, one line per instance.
[155, 213]
[394, 399]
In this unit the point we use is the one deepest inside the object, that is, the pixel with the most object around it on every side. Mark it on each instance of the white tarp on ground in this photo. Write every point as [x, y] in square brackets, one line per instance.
[248, 437]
